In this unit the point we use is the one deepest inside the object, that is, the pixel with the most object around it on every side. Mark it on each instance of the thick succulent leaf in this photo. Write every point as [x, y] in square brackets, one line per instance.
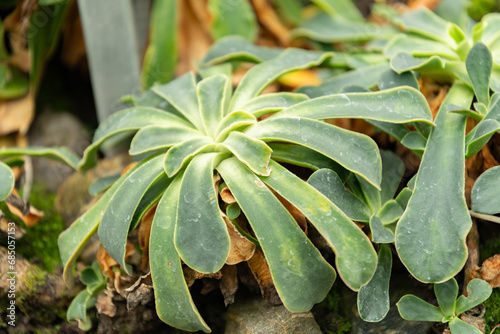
[238, 48]
[353, 151]
[403, 62]
[77, 310]
[6, 181]
[305, 157]
[430, 236]
[210, 70]
[213, 99]
[325, 28]
[293, 260]
[398, 131]
[458, 326]
[391, 79]
[369, 193]
[478, 291]
[404, 197]
[181, 93]
[180, 154]
[233, 122]
[154, 137]
[61, 154]
[201, 236]
[380, 234]
[485, 196]
[413, 308]
[355, 259]
[261, 75]
[116, 220]
[125, 121]
[418, 47]
[415, 141]
[272, 102]
[390, 212]
[365, 77]
[397, 105]
[341, 8]
[102, 184]
[329, 184]
[479, 63]
[393, 169]
[72, 241]
[373, 298]
[480, 136]
[161, 54]
[478, 116]
[446, 294]
[254, 153]
[290, 10]
[234, 17]
[174, 304]
[424, 22]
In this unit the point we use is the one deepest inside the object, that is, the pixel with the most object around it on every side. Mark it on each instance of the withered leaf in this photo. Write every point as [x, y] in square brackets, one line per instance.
[241, 249]
[489, 271]
[191, 275]
[107, 263]
[105, 305]
[144, 234]
[260, 270]
[229, 283]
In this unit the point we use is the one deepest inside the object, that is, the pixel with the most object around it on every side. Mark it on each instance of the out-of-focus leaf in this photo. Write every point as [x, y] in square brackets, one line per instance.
[173, 300]
[373, 298]
[8, 180]
[430, 236]
[291, 10]
[234, 17]
[77, 310]
[292, 258]
[102, 184]
[116, 220]
[353, 151]
[355, 257]
[391, 79]
[201, 236]
[418, 47]
[477, 292]
[485, 196]
[413, 308]
[17, 85]
[61, 154]
[272, 103]
[161, 54]
[345, 9]
[329, 184]
[479, 63]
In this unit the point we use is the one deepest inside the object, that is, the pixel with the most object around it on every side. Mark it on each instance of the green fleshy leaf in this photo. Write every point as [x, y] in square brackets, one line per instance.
[404, 197]
[468, 112]
[369, 193]
[174, 304]
[234, 17]
[398, 131]
[293, 260]
[329, 184]
[290, 10]
[239, 49]
[481, 108]
[480, 136]
[390, 212]
[479, 63]
[7, 181]
[413, 308]
[126, 121]
[355, 259]
[187, 101]
[236, 120]
[373, 298]
[324, 28]
[154, 137]
[272, 103]
[341, 8]
[365, 77]
[430, 236]
[305, 157]
[393, 169]
[261, 75]
[458, 326]
[380, 234]
[16, 86]
[116, 220]
[254, 153]
[233, 211]
[161, 54]
[179, 155]
[391, 79]
[485, 196]
[77, 310]
[478, 291]
[446, 294]
[201, 236]
[214, 94]
[61, 154]
[415, 141]
[403, 62]
[397, 105]
[102, 184]
[355, 152]
[418, 47]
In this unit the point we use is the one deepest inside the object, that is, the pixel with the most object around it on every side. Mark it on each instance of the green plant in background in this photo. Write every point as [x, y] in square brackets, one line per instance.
[413, 308]
[485, 196]
[208, 128]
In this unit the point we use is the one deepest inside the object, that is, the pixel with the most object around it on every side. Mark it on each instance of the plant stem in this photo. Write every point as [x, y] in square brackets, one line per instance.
[482, 216]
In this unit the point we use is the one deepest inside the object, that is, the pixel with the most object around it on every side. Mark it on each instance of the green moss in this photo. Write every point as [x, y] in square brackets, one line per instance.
[492, 315]
[330, 313]
[40, 241]
[488, 248]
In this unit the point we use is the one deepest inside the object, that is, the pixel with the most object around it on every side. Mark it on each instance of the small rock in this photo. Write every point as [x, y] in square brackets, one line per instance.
[256, 316]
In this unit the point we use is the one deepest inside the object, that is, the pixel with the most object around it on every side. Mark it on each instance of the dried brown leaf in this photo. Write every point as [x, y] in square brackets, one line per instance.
[270, 20]
[105, 305]
[17, 115]
[107, 263]
[300, 78]
[260, 270]
[431, 4]
[144, 234]
[227, 196]
[473, 249]
[191, 275]
[6, 228]
[489, 271]
[229, 283]
[27, 213]
[241, 249]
